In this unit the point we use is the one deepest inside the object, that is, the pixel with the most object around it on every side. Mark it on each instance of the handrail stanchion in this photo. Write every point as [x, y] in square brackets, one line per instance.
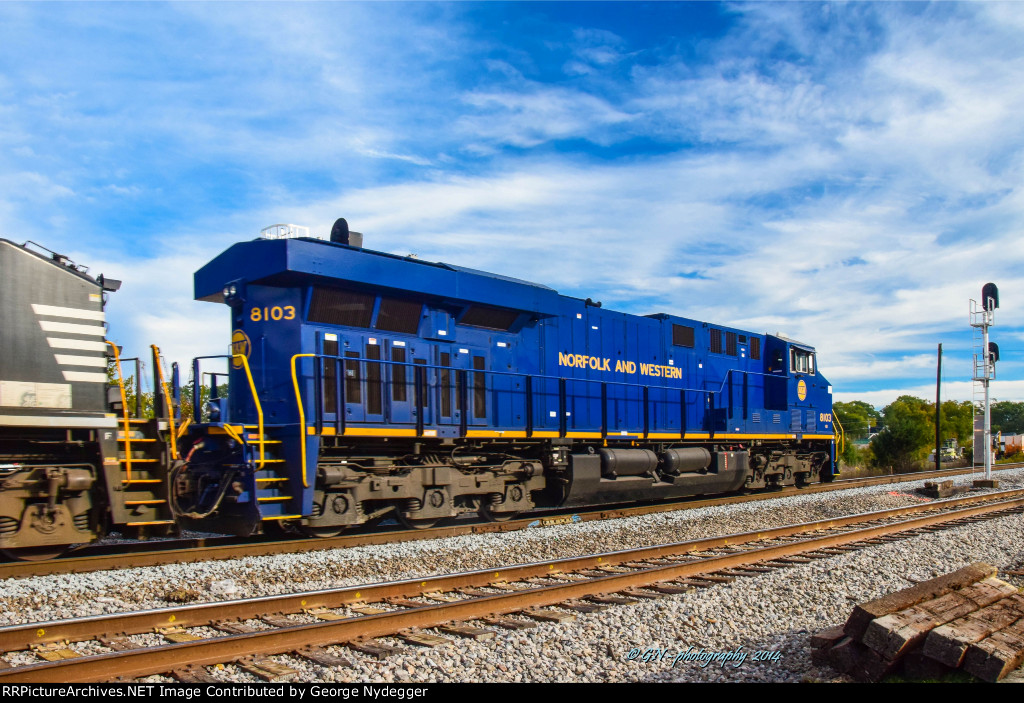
[682, 413]
[318, 380]
[339, 400]
[420, 383]
[124, 412]
[197, 412]
[529, 406]
[746, 395]
[461, 386]
[647, 426]
[259, 407]
[138, 388]
[169, 400]
[562, 424]
[604, 409]
[302, 418]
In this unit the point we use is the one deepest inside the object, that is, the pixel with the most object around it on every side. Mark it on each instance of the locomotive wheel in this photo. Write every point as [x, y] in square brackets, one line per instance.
[416, 523]
[35, 553]
[324, 532]
[490, 516]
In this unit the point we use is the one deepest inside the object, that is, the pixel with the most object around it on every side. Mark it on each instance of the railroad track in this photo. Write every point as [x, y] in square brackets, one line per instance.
[458, 605]
[92, 558]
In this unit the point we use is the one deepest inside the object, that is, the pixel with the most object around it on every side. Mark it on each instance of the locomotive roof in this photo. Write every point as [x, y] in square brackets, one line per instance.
[293, 262]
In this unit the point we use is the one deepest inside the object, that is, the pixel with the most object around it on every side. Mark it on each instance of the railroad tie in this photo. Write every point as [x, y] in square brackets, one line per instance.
[233, 627]
[581, 607]
[193, 674]
[646, 594]
[422, 639]
[54, 651]
[279, 621]
[510, 623]
[548, 615]
[325, 614]
[321, 656]
[267, 669]
[374, 648]
[717, 577]
[442, 597]
[405, 602]
[612, 599]
[467, 631]
[117, 643]
[670, 590]
[177, 634]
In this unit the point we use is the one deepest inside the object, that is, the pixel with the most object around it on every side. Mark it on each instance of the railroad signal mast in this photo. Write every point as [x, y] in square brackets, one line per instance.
[986, 354]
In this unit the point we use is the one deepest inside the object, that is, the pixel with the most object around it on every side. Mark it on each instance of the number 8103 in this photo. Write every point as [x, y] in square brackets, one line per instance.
[274, 314]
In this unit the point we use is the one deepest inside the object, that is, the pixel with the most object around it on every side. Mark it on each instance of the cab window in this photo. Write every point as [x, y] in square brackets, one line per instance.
[801, 361]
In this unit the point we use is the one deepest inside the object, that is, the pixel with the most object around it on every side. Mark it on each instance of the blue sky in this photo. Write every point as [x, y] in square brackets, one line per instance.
[846, 174]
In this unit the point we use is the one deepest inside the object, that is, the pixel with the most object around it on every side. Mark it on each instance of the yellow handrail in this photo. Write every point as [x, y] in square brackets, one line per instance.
[302, 418]
[842, 432]
[256, 399]
[124, 410]
[168, 399]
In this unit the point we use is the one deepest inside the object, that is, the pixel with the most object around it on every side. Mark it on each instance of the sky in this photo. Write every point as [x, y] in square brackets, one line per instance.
[847, 174]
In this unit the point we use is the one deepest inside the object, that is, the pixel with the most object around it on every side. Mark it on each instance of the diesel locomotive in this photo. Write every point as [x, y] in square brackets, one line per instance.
[71, 467]
[362, 386]
[365, 385]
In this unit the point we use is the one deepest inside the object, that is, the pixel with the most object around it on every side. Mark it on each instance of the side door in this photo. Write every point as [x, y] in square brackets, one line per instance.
[399, 382]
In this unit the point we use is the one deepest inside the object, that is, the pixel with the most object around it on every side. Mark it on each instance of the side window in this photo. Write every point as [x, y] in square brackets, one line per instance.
[801, 361]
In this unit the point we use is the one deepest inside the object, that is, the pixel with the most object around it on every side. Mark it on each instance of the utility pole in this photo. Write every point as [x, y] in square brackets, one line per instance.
[938, 411]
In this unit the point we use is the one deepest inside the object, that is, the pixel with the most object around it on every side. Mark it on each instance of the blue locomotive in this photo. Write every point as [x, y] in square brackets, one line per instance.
[366, 385]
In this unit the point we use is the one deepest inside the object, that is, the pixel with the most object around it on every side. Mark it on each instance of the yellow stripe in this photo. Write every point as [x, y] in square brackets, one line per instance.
[377, 432]
[697, 435]
[364, 432]
[279, 517]
[819, 436]
[584, 435]
[755, 436]
[545, 434]
[495, 433]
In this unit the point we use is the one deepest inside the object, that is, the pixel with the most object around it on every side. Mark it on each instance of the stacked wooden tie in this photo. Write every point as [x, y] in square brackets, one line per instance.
[968, 620]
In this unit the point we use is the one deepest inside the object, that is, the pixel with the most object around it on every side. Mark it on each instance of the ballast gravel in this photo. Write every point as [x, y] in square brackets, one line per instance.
[754, 629]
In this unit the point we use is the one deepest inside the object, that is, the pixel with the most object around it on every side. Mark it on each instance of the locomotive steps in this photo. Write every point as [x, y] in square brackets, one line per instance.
[509, 597]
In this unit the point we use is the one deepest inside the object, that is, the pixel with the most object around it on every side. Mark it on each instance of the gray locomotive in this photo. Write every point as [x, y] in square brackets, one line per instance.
[72, 462]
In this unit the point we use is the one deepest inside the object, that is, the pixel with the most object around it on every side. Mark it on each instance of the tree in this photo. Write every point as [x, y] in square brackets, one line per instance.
[1008, 417]
[855, 417]
[957, 421]
[907, 434]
